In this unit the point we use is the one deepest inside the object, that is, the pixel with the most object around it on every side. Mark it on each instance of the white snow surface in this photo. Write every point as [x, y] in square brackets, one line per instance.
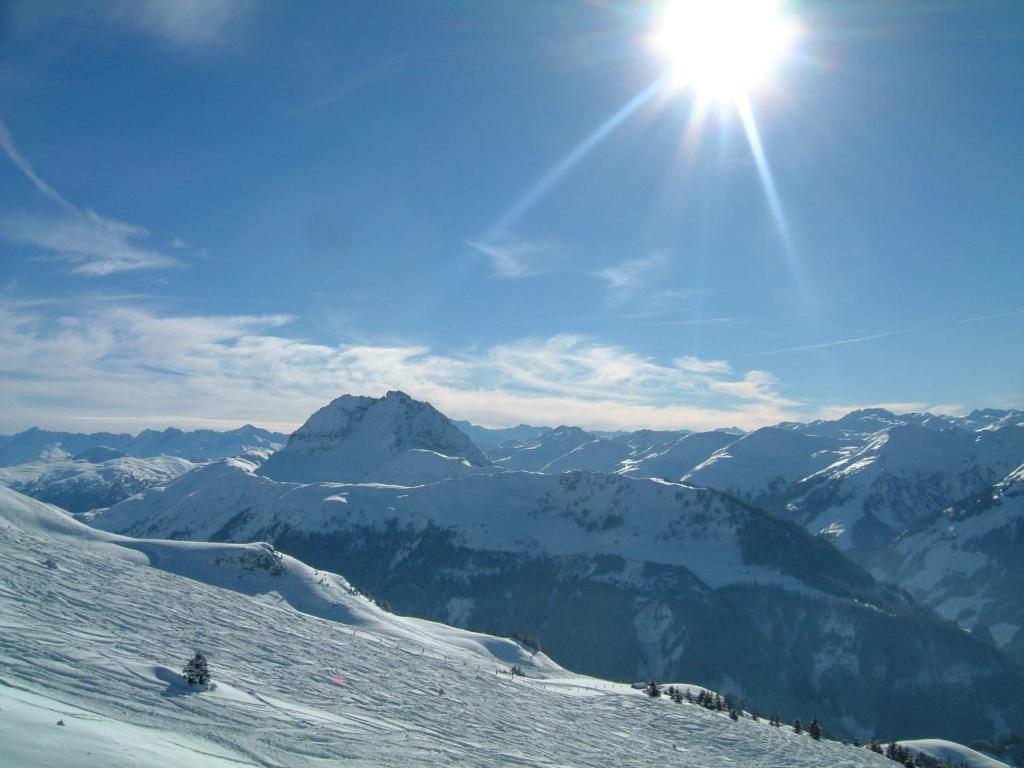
[91, 633]
[941, 749]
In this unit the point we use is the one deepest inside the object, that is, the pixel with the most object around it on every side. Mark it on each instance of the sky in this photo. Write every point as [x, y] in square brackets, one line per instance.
[215, 212]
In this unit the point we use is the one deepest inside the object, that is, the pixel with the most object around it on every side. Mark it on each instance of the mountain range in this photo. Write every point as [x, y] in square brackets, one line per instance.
[711, 575]
[198, 445]
[307, 671]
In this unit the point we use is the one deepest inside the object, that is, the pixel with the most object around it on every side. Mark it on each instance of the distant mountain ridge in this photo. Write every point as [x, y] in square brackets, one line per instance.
[198, 445]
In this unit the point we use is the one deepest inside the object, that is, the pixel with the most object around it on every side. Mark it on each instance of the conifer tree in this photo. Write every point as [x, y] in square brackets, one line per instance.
[733, 714]
[197, 671]
[798, 727]
[815, 730]
[652, 690]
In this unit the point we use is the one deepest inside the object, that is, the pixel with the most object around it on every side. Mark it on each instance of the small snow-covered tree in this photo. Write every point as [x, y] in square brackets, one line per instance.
[733, 714]
[874, 746]
[798, 727]
[653, 690]
[815, 730]
[197, 671]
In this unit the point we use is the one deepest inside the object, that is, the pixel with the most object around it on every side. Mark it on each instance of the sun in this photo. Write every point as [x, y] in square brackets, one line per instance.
[723, 49]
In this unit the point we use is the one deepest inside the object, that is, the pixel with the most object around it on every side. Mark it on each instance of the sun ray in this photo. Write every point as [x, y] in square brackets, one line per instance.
[573, 157]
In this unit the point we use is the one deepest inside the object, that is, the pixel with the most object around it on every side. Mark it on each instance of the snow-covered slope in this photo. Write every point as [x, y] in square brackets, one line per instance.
[536, 453]
[619, 577]
[903, 474]
[679, 458]
[83, 483]
[261, 571]
[765, 461]
[613, 453]
[955, 754]
[95, 631]
[352, 437]
[567, 448]
[575, 513]
[966, 562]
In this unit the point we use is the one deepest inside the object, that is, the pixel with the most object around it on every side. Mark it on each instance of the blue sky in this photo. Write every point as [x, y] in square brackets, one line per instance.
[227, 211]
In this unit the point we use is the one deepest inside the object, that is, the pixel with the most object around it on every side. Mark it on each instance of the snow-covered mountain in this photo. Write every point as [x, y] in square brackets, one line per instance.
[535, 453]
[902, 474]
[966, 562]
[486, 438]
[619, 577]
[203, 444]
[566, 448]
[679, 458]
[765, 462]
[97, 477]
[353, 437]
[199, 445]
[305, 672]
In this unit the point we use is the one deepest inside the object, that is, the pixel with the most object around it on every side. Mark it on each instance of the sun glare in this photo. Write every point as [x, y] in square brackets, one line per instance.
[723, 49]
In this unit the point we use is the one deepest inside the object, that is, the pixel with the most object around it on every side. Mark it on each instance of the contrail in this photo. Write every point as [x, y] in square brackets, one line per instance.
[885, 334]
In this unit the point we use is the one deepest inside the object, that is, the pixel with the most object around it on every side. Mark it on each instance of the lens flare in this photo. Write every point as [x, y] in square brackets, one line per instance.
[723, 49]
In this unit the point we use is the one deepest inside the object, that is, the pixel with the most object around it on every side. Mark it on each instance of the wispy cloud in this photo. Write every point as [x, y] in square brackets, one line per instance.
[514, 258]
[94, 244]
[7, 143]
[183, 22]
[633, 278]
[175, 23]
[246, 368]
[374, 73]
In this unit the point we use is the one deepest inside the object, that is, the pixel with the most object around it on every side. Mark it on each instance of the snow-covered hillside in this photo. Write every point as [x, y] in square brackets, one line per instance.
[352, 437]
[966, 562]
[764, 462]
[616, 576]
[576, 513]
[903, 474]
[91, 682]
[567, 448]
[98, 477]
[679, 458]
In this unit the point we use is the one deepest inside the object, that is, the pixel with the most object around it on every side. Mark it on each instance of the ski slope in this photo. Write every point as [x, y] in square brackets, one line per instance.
[91, 633]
